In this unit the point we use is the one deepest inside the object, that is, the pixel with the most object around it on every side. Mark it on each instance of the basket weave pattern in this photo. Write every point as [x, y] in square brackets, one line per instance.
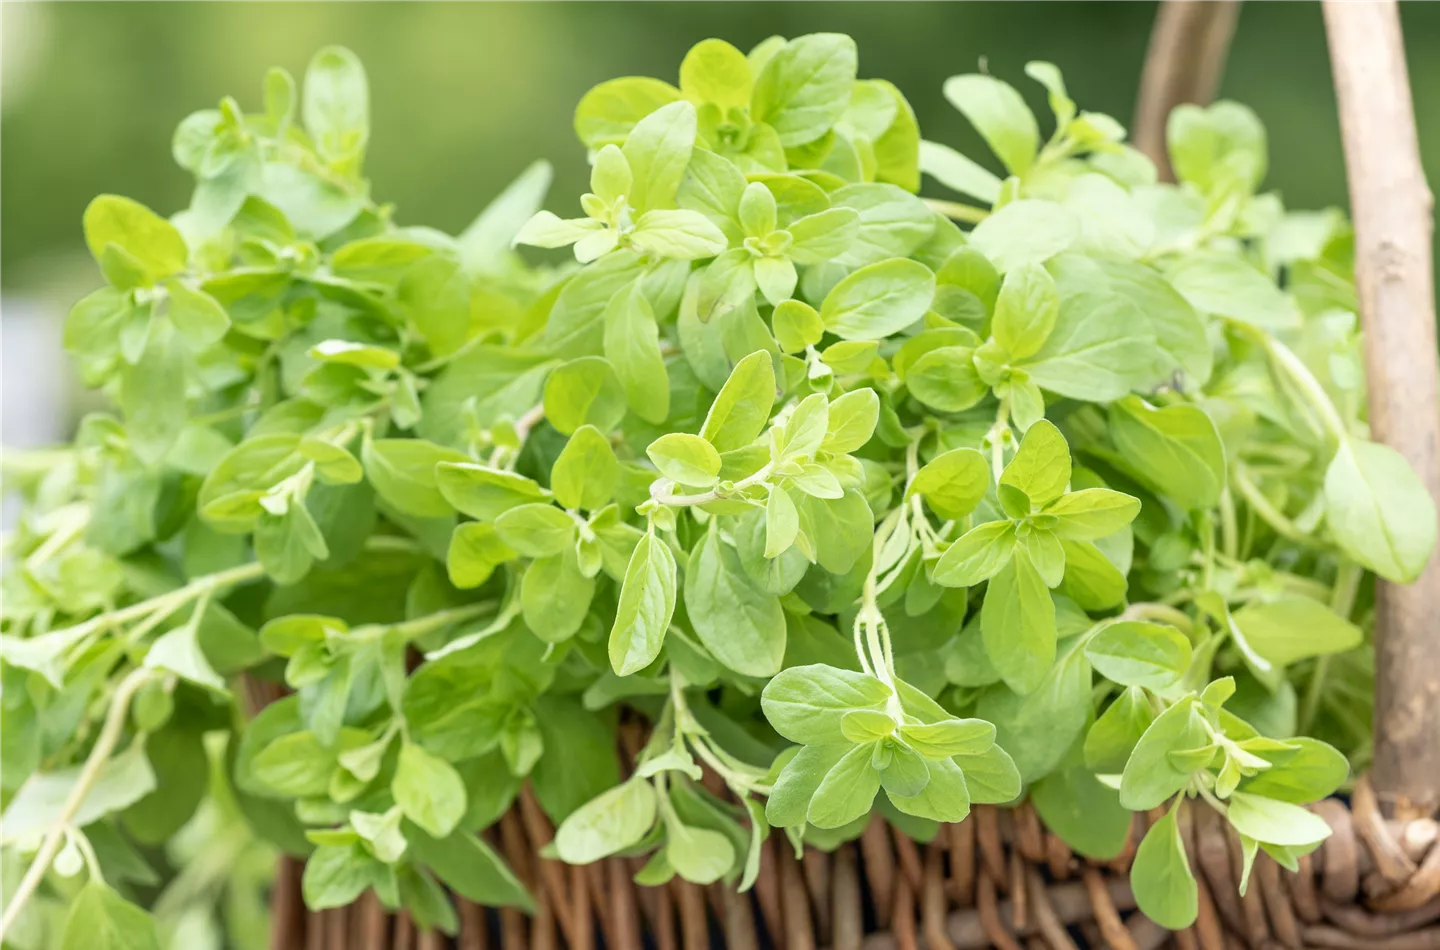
[998, 879]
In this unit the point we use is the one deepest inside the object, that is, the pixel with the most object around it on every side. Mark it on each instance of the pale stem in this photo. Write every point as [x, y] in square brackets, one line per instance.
[659, 490]
[1342, 601]
[1268, 513]
[99, 755]
[956, 211]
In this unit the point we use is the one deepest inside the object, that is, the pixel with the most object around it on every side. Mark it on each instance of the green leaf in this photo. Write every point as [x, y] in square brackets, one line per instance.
[992, 777]
[946, 379]
[878, 300]
[1115, 734]
[1041, 467]
[470, 868]
[846, 792]
[1292, 628]
[1100, 349]
[686, 459]
[893, 222]
[1091, 579]
[742, 626]
[906, 774]
[152, 395]
[806, 704]
[805, 430]
[1378, 511]
[122, 781]
[698, 855]
[1161, 878]
[782, 522]
[714, 71]
[147, 240]
[555, 595]
[852, 421]
[1017, 621]
[979, 555]
[1135, 653]
[1028, 231]
[952, 483]
[1084, 812]
[336, 875]
[1092, 513]
[1219, 146]
[790, 796]
[1150, 776]
[804, 88]
[677, 234]
[632, 345]
[403, 473]
[658, 149]
[197, 315]
[483, 492]
[585, 474]
[945, 797]
[613, 822]
[428, 790]
[1229, 287]
[1025, 311]
[536, 530]
[100, 919]
[647, 601]
[949, 737]
[1001, 117]
[1275, 822]
[1314, 771]
[958, 172]
[584, 391]
[336, 106]
[608, 112]
[1177, 450]
[796, 325]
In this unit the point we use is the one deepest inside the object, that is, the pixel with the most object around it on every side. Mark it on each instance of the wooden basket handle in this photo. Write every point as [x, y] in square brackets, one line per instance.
[1392, 209]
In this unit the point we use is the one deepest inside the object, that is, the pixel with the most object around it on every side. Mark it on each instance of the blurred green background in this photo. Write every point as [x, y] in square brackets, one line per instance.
[465, 94]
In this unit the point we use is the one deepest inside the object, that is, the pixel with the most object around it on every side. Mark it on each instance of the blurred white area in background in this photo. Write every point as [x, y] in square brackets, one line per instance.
[22, 41]
[37, 380]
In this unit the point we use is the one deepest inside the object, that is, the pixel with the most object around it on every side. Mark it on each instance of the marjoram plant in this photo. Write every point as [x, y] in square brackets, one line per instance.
[857, 508]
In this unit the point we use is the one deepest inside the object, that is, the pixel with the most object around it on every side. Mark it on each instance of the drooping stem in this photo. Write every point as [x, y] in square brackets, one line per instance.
[955, 211]
[1268, 513]
[99, 755]
[1342, 601]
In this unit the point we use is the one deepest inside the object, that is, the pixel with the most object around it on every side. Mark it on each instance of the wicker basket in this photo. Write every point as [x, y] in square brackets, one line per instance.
[999, 878]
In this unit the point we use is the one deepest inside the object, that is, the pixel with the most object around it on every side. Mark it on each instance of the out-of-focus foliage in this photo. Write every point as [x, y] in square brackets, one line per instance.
[446, 145]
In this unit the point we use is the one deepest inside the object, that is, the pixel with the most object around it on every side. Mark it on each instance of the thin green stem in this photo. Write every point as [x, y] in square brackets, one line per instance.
[956, 211]
[659, 491]
[1267, 512]
[1342, 601]
[89, 773]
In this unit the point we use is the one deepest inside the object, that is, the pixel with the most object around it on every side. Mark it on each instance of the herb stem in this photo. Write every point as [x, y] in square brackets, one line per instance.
[1342, 601]
[659, 491]
[99, 755]
[1162, 612]
[1268, 513]
[956, 211]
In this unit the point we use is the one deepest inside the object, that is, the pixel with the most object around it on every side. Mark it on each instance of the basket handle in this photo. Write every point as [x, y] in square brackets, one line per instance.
[1392, 210]
[1183, 63]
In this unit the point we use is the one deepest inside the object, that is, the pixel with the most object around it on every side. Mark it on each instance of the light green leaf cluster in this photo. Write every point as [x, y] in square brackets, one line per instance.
[834, 493]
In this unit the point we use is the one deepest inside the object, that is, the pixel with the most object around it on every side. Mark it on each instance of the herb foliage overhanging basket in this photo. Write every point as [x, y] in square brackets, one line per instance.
[798, 567]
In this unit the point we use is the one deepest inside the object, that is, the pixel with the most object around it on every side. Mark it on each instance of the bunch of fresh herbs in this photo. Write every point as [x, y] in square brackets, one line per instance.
[837, 495]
